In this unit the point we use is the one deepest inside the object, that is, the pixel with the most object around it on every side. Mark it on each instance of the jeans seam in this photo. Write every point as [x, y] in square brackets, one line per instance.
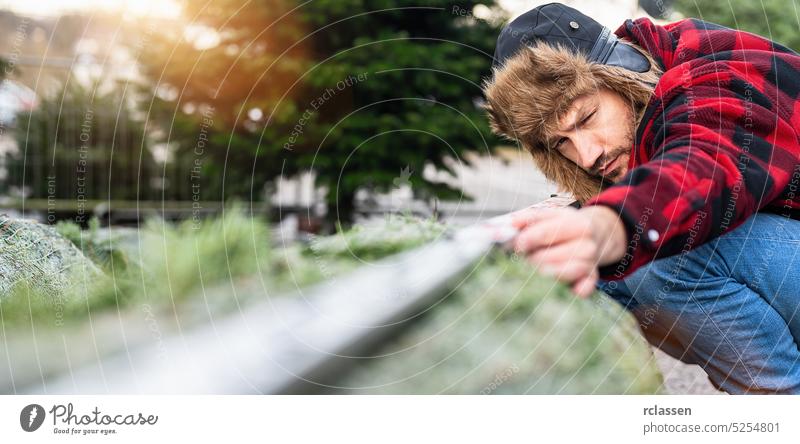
[772, 239]
[724, 338]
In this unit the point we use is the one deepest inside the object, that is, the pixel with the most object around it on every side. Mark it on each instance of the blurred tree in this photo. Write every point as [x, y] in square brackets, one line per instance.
[777, 20]
[81, 144]
[359, 91]
[6, 68]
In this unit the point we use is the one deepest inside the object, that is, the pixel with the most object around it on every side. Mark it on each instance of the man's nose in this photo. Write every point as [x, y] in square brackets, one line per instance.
[589, 152]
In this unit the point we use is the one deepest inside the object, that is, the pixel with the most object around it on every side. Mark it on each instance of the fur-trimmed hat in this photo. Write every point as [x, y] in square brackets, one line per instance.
[532, 90]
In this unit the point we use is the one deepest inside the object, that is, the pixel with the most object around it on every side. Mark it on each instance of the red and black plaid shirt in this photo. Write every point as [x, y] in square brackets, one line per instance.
[718, 141]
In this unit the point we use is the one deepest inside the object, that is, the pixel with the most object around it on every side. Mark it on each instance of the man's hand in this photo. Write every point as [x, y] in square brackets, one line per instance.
[570, 244]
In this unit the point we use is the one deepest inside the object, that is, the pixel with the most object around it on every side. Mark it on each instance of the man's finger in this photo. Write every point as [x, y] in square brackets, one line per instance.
[523, 218]
[548, 232]
[570, 271]
[571, 250]
[586, 286]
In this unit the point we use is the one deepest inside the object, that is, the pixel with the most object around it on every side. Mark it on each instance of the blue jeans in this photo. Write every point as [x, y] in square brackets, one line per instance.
[731, 305]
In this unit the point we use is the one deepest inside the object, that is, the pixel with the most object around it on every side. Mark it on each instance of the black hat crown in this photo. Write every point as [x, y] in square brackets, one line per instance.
[559, 24]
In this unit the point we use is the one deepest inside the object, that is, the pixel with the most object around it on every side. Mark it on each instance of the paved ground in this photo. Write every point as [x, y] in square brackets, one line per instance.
[683, 379]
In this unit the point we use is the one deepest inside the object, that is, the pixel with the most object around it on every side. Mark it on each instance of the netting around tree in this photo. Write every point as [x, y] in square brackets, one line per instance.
[35, 255]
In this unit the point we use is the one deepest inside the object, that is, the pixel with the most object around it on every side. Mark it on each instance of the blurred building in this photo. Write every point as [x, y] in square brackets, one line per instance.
[14, 98]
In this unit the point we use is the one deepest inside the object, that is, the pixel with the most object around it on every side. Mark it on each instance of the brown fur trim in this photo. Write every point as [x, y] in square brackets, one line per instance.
[531, 92]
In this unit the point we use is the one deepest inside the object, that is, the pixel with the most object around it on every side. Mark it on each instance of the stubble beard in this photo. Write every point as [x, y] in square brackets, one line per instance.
[626, 149]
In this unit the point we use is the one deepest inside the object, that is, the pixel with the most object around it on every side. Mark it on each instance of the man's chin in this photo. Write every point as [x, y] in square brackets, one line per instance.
[612, 178]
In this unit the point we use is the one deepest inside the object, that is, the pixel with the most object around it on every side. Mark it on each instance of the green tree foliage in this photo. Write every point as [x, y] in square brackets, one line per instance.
[355, 90]
[778, 20]
[5, 68]
[82, 144]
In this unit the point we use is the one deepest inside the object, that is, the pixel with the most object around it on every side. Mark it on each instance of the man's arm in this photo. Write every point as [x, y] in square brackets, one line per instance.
[716, 160]
[721, 151]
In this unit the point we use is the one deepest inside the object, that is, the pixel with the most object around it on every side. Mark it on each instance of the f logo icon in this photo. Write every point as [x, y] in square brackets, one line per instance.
[31, 417]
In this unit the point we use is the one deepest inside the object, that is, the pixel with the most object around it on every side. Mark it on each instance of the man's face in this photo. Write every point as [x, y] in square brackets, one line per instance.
[597, 134]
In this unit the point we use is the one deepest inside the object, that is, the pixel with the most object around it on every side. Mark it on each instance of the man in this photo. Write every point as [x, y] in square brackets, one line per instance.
[681, 143]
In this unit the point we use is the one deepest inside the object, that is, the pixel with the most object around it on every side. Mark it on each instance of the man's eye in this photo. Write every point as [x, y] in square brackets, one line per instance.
[587, 118]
